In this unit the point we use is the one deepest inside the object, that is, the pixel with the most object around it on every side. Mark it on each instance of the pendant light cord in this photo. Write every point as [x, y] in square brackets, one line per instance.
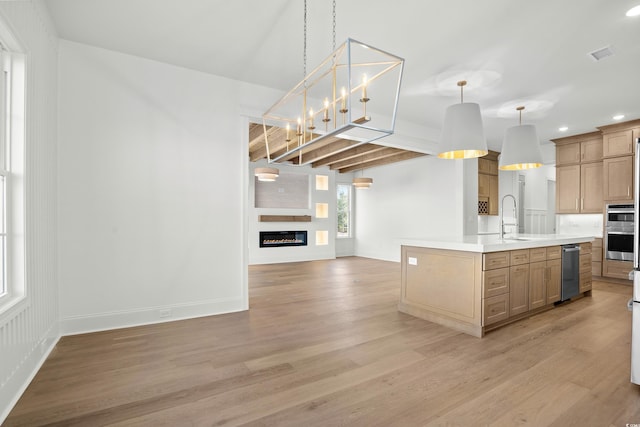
[304, 50]
[334, 26]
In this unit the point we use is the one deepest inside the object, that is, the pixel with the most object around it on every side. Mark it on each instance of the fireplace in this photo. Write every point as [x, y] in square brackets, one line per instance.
[273, 239]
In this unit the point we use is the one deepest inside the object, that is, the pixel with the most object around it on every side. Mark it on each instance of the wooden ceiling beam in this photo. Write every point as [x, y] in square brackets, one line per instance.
[348, 154]
[368, 157]
[406, 155]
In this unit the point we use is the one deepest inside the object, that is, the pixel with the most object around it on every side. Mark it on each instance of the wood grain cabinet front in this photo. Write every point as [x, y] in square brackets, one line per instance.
[518, 289]
[520, 257]
[493, 260]
[554, 280]
[537, 284]
[495, 309]
[495, 282]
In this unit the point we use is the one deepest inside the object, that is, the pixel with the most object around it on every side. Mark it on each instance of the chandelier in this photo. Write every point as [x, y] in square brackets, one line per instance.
[352, 95]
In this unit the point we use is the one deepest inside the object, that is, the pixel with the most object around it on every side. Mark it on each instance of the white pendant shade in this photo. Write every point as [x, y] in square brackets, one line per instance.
[520, 149]
[362, 183]
[463, 133]
[267, 174]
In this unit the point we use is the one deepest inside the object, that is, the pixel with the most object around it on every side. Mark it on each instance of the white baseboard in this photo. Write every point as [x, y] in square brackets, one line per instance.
[15, 387]
[149, 315]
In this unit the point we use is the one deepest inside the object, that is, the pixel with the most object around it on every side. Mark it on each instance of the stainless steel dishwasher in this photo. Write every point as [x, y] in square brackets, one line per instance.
[570, 271]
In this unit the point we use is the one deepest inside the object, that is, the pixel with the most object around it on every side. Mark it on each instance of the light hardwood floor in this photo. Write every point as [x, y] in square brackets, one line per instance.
[324, 345]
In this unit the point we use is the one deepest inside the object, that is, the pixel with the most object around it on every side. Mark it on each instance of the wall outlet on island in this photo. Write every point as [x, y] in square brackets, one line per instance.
[413, 261]
[165, 312]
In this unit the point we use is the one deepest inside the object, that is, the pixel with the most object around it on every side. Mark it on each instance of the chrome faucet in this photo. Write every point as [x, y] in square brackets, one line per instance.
[515, 215]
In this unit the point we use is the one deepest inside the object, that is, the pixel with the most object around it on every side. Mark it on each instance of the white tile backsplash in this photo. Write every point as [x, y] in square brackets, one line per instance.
[589, 224]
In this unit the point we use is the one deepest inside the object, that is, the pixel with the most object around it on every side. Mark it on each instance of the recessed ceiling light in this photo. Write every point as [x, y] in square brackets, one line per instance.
[618, 117]
[634, 11]
[563, 128]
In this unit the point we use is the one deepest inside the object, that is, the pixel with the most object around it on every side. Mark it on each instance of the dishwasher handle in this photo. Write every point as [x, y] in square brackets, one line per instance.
[570, 248]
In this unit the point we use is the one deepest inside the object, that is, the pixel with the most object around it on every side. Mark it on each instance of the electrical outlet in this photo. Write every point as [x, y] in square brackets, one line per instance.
[166, 312]
[413, 261]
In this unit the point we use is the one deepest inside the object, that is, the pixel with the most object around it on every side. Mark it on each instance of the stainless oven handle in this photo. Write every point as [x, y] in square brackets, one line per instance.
[629, 233]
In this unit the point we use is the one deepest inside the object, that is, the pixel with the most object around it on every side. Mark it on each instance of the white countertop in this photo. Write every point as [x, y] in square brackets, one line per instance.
[493, 243]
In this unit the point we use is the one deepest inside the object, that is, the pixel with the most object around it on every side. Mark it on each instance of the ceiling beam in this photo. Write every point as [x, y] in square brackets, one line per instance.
[406, 155]
[367, 157]
[348, 154]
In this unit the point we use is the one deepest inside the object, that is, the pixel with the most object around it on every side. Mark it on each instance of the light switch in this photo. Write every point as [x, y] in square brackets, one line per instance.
[413, 261]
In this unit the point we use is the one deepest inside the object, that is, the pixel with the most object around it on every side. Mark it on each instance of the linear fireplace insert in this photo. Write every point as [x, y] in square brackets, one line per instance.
[273, 239]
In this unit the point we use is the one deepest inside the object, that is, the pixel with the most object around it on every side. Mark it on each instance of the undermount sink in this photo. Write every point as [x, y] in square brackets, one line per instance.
[521, 239]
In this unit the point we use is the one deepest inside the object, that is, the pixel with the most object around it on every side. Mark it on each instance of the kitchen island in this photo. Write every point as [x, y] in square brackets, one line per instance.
[475, 284]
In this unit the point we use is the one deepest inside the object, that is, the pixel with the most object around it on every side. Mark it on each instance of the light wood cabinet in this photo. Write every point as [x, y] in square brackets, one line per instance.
[488, 184]
[568, 154]
[591, 187]
[616, 269]
[554, 280]
[591, 150]
[579, 170]
[477, 292]
[618, 143]
[579, 188]
[568, 189]
[537, 284]
[618, 178]
[519, 289]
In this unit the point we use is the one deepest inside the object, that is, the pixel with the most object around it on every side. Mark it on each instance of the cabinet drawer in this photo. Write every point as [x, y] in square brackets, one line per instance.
[617, 269]
[495, 309]
[537, 254]
[554, 252]
[493, 260]
[495, 282]
[597, 243]
[520, 257]
[585, 248]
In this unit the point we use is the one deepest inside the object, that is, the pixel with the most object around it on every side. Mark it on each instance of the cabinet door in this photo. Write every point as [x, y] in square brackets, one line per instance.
[554, 277]
[591, 187]
[568, 154]
[591, 151]
[493, 194]
[618, 178]
[567, 189]
[483, 185]
[617, 143]
[537, 284]
[487, 166]
[518, 289]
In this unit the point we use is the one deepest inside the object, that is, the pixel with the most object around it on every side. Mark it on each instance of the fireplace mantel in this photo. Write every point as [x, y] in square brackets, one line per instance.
[284, 218]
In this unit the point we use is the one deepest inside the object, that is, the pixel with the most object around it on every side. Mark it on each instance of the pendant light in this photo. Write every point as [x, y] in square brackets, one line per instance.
[362, 183]
[267, 174]
[462, 133]
[520, 147]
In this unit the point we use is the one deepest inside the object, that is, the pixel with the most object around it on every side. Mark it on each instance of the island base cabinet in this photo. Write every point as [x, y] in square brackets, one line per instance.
[554, 280]
[495, 309]
[519, 289]
[537, 284]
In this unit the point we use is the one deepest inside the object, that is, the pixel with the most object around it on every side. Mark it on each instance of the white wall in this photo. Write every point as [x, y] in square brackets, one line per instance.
[416, 198]
[29, 330]
[153, 183]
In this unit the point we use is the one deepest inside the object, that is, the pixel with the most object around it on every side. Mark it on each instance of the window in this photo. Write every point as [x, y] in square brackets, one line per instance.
[5, 129]
[12, 127]
[344, 210]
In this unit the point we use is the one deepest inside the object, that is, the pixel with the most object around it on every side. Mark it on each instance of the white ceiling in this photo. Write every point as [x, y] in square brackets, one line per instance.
[512, 52]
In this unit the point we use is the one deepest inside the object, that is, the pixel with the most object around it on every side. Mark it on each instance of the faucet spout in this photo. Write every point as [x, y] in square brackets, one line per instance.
[515, 214]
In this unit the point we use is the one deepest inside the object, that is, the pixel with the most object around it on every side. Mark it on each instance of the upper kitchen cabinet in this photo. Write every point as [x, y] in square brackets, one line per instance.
[579, 169]
[618, 149]
[488, 184]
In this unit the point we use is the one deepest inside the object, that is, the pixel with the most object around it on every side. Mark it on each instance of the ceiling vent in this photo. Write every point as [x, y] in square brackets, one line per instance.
[601, 53]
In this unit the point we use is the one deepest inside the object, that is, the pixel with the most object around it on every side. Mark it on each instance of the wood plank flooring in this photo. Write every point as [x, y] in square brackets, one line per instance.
[324, 345]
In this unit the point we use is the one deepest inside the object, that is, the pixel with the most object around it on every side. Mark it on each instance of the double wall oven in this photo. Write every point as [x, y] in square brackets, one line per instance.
[619, 226]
